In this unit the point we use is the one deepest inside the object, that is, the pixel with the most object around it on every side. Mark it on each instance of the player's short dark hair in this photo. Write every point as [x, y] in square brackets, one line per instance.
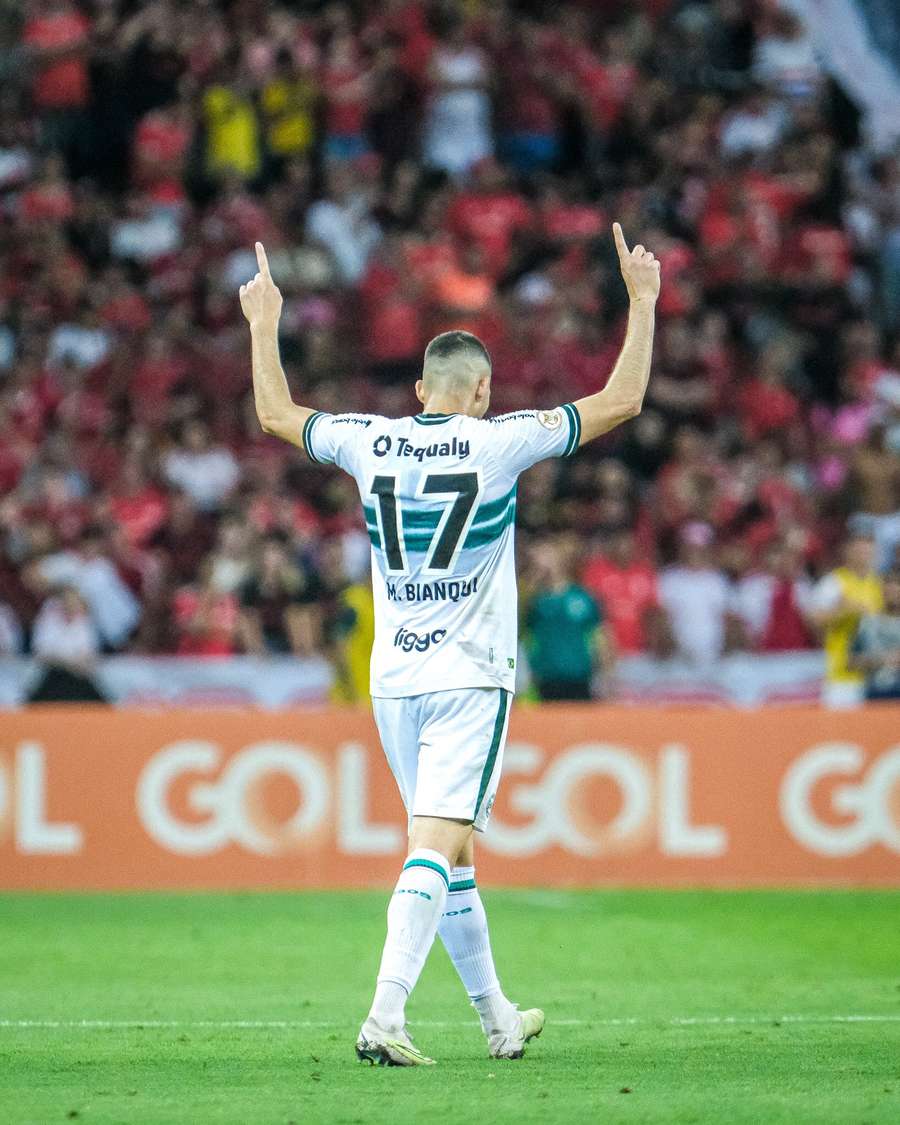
[457, 343]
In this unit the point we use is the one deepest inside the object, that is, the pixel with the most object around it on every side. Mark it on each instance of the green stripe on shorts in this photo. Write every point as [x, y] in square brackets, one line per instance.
[492, 753]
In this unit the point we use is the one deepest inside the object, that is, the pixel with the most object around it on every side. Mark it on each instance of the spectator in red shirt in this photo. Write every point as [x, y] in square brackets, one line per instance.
[56, 33]
[56, 36]
[490, 214]
[49, 199]
[774, 602]
[155, 377]
[138, 507]
[530, 113]
[161, 143]
[764, 402]
[394, 333]
[206, 620]
[818, 254]
[347, 86]
[625, 586]
[465, 293]
[185, 538]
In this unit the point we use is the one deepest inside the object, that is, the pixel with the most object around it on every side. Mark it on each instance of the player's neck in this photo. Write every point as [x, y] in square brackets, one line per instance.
[443, 405]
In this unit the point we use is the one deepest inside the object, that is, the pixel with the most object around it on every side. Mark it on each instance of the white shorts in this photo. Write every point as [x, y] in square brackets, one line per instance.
[445, 749]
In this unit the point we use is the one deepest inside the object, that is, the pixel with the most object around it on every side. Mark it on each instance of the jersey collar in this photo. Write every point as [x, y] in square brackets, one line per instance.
[432, 419]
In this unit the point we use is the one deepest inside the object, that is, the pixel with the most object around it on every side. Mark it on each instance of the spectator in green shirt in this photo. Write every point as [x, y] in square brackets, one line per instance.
[563, 634]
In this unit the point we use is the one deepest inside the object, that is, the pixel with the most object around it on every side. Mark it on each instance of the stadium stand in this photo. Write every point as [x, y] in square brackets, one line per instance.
[145, 146]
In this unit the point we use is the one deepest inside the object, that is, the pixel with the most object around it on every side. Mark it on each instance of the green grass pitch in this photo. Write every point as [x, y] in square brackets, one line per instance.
[662, 1007]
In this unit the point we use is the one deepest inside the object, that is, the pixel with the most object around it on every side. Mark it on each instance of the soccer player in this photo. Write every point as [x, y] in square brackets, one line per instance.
[439, 495]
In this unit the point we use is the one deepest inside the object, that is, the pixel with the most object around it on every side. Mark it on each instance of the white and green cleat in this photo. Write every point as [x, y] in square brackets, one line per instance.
[509, 1043]
[380, 1047]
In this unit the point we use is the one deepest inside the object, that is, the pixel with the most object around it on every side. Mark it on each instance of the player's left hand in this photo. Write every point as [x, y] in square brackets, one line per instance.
[640, 270]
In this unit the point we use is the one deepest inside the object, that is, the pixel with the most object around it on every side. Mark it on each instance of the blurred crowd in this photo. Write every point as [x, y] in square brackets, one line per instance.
[413, 165]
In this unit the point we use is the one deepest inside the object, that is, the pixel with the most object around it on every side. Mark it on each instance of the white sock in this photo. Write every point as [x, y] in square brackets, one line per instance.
[464, 932]
[413, 915]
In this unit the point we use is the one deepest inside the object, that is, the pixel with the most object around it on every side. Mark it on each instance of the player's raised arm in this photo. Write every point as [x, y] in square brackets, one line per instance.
[623, 395]
[261, 303]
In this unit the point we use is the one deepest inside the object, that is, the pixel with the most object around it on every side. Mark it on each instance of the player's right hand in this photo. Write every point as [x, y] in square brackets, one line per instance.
[640, 270]
[261, 298]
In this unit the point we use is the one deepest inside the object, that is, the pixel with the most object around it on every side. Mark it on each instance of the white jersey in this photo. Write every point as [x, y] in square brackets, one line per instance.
[439, 495]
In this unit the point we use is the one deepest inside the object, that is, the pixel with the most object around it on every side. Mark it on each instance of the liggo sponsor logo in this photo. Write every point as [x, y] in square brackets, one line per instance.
[417, 642]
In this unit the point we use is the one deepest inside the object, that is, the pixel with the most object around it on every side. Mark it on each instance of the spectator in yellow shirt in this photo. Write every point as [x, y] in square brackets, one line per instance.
[289, 106]
[230, 119]
[352, 644]
[840, 601]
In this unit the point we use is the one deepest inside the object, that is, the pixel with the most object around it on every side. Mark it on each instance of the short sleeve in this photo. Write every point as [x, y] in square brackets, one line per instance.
[336, 439]
[521, 439]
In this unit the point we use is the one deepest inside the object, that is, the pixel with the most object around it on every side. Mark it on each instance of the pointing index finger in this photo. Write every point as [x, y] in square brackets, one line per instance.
[621, 244]
[262, 260]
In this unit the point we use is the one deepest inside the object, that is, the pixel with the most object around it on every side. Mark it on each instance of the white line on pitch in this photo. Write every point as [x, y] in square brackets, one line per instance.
[275, 1025]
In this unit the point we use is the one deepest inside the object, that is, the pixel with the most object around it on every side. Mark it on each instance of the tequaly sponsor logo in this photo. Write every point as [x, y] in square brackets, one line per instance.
[456, 448]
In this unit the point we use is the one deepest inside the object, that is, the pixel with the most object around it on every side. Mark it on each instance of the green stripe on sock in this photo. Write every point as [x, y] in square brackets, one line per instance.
[429, 863]
[466, 885]
[492, 753]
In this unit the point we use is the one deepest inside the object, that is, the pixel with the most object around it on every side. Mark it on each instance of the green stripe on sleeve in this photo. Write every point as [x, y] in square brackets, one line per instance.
[571, 421]
[494, 748]
[307, 434]
[574, 429]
